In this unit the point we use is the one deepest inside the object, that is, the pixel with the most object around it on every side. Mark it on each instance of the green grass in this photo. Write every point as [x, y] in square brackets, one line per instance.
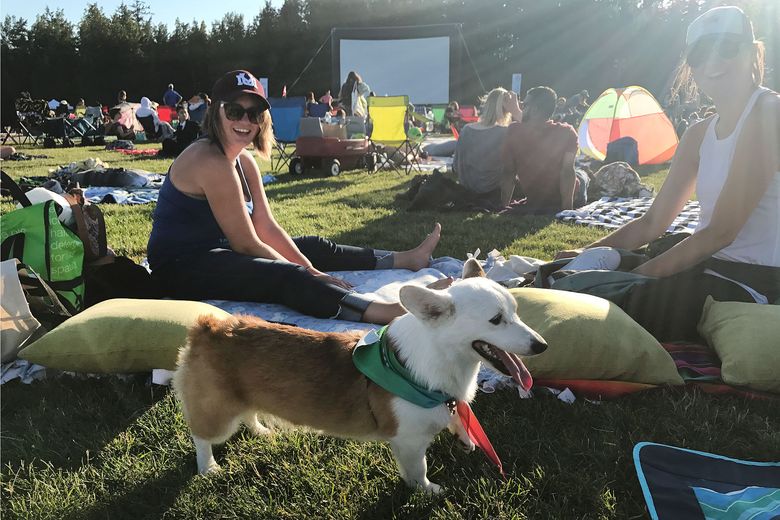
[110, 448]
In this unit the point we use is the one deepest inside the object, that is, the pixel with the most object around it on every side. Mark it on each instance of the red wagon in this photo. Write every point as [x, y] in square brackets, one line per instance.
[327, 149]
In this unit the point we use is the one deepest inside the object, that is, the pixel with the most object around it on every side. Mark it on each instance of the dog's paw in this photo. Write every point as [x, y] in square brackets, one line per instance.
[467, 446]
[255, 426]
[431, 488]
[210, 469]
[259, 430]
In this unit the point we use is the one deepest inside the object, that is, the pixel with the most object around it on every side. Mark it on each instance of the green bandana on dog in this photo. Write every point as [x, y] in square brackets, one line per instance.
[378, 362]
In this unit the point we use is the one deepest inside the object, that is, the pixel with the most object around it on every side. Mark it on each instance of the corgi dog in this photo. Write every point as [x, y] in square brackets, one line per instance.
[241, 369]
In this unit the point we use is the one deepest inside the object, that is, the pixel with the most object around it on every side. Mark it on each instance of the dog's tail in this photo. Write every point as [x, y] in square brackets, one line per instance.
[206, 327]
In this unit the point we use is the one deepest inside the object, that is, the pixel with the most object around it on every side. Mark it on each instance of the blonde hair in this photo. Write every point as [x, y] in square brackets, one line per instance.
[492, 112]
[264, 140]
[685, 87]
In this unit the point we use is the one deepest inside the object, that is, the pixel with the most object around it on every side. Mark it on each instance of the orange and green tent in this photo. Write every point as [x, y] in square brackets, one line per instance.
[628, 112]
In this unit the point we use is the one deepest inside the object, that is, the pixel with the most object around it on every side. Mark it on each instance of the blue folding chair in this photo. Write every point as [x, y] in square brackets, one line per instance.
[318, 110]
[286, 114]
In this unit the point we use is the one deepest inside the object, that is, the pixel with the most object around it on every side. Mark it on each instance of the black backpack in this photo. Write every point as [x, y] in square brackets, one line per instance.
[121, 278]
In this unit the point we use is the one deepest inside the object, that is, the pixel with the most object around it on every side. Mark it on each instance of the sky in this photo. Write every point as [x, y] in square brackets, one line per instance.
[162, 11]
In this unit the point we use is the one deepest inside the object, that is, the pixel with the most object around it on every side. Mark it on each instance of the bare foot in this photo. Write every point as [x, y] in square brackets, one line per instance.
[419, 257]
[382, 313]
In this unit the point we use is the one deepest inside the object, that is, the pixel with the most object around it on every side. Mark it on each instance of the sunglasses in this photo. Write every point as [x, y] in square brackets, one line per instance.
[236, 112]
[725, 49]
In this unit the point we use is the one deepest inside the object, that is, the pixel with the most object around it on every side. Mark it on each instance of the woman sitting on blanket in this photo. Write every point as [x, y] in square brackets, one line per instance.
[478, 160]
[731, 160]
[214, 236]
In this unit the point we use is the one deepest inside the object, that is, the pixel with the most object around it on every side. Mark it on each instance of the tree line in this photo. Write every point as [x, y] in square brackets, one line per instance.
[569, 45]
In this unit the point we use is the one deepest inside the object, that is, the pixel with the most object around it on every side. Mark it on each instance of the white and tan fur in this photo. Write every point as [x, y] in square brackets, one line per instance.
[237, 369]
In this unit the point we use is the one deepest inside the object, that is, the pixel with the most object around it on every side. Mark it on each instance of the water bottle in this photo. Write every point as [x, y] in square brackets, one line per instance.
[429, 124]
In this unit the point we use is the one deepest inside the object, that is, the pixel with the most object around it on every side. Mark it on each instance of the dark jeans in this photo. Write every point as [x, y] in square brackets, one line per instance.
[670, 308]
[223, 274]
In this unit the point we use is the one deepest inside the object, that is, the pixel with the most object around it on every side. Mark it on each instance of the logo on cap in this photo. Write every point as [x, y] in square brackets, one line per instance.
[243, 78]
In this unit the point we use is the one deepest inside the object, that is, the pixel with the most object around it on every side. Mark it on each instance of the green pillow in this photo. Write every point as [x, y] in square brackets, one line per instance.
[746, 337]
[120, 335]
[591, 338]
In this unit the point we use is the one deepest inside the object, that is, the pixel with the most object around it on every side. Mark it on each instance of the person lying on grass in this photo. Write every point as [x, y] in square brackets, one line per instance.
[731, 160]
[214, 236]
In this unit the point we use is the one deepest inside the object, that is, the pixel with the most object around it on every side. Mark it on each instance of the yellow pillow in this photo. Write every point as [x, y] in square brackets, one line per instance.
[591, 338]
[746, 337]
[121, 335]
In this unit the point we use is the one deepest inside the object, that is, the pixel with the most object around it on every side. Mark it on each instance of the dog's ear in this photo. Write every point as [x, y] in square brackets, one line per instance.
[426, 304]
[472, 269]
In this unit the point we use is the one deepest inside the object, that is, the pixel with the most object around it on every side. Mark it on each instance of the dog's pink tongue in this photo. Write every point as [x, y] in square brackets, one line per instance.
[515, 365]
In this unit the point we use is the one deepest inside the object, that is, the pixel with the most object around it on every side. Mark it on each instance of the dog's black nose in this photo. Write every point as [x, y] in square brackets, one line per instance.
[537, 347]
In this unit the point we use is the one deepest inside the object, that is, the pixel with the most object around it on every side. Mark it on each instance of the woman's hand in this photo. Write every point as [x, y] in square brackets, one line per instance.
[338, 282]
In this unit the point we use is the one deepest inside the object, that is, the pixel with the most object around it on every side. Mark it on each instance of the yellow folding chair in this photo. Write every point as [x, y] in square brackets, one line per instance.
[388, 114]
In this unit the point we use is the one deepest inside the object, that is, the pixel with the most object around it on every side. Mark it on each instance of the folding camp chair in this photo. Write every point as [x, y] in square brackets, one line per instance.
[438, 115]
[166, 113]
[24, 129]
[286, 114]
[151, 132]
[388, 114]
[468, 113]
[318, 110]
[94, 116]
[59, 129]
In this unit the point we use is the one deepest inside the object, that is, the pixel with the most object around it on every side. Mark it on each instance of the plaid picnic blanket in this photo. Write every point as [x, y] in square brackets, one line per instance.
[613, 212]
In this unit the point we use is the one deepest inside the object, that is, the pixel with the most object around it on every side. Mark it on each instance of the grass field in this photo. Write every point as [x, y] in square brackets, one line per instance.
[111, 448]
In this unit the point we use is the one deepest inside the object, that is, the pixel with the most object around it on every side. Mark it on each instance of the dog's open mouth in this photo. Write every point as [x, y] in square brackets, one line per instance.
[505, 362]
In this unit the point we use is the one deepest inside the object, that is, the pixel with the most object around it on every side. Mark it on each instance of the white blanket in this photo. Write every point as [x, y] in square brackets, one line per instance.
[382, 285]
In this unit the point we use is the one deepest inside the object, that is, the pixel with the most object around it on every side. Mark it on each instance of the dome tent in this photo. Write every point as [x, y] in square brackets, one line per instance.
[628, 112]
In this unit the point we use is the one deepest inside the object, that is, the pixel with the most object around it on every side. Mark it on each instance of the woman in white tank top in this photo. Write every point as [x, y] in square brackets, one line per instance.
[732, 162]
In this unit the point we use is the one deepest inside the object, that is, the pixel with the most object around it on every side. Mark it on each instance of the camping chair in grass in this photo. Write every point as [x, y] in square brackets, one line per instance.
[94, 116]
[388, 114]
[438, 115]
[151, 131]
[469, 114]
[286, 114]
[25, 128]
[318, 110]
[59, 130]
[166, 113]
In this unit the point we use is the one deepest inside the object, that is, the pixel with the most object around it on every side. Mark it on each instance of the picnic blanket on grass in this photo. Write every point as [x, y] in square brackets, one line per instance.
[150, 152]
[110, 195]
[381, 285]
[613, 212]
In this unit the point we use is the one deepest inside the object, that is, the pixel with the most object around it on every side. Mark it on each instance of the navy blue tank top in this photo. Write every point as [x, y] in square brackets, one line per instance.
[183, 225]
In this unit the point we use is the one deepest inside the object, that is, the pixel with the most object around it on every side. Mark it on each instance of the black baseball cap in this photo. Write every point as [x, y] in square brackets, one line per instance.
[238, 82]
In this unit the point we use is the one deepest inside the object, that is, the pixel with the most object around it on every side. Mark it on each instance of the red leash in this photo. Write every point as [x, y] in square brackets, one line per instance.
[477, 434]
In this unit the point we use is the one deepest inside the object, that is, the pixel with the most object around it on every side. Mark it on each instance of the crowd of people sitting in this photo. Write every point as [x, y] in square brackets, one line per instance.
[125, 120]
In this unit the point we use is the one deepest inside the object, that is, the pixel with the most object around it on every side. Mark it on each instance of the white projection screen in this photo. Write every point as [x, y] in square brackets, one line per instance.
[421, 61]
[417, 67]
